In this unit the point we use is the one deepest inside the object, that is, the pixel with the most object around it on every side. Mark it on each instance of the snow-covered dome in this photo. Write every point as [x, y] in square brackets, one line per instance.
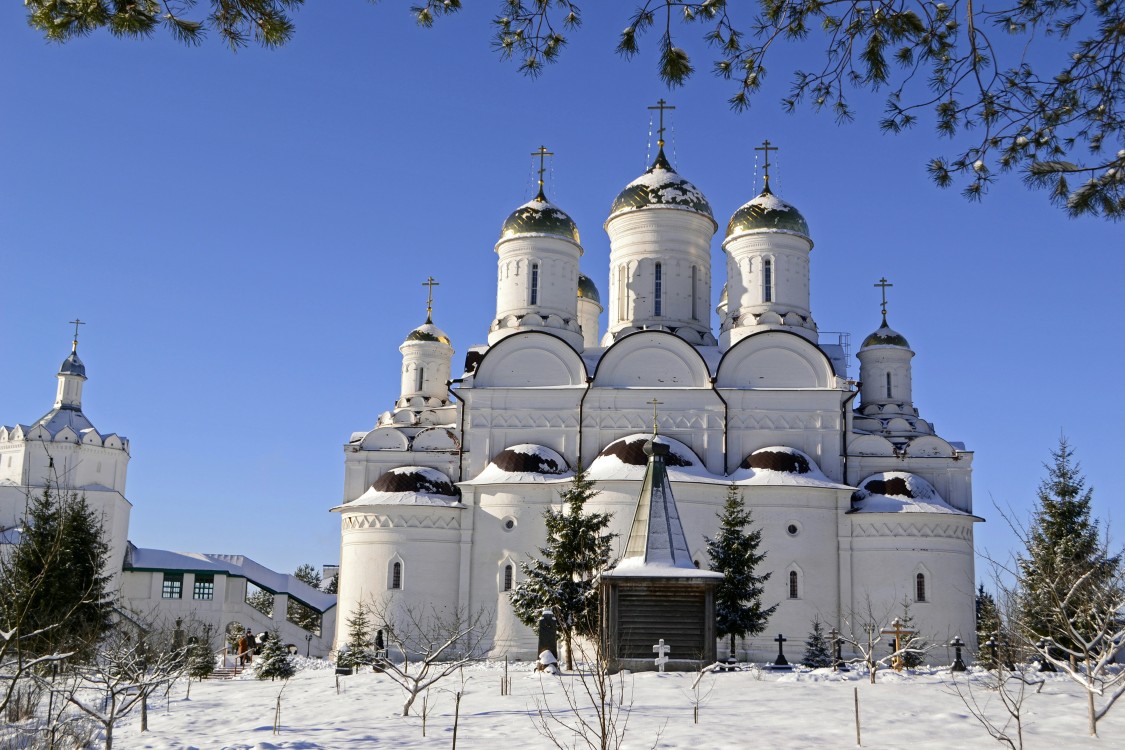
[428, 332]
[885, 336]
[411, 485]
[72, 365]
[660, 185]
[899, 492]
[631, 451]
[587, 290]
[780, 458]
[770, 213]
[527, 458]
[540, 216]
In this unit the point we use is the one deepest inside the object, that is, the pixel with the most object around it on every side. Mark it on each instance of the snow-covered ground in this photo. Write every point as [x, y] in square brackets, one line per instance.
[745, 709]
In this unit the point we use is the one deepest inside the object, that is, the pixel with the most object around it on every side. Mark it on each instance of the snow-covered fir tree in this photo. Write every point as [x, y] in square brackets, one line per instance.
[357, 652]
[201, 662]
[275, 662]
[818, 651]
[1064, 546]
[564, 578]
[734, 553]
[914, 643]
[988, 615]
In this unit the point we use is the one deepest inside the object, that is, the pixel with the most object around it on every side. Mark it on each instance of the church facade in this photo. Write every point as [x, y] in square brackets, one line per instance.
[864, 510]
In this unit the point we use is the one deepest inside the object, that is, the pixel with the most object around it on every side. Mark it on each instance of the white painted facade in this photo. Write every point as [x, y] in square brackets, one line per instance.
[443, 500]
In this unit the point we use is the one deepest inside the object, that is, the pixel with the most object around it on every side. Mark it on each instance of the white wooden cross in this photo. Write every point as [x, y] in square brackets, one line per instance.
[661, 652]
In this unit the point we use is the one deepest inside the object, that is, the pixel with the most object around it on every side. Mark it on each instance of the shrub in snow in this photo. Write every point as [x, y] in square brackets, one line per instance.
[275, 662]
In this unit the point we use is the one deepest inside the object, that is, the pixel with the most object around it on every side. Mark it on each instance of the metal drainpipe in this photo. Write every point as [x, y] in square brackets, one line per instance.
[844, 423]
[581, 412]
[726, 419]
[461, 429]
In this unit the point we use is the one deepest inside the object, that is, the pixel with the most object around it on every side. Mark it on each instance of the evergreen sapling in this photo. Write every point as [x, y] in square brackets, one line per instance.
[818, 652]
[275, 662]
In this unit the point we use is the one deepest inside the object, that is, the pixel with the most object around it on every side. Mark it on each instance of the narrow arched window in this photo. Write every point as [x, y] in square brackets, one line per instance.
[396, 576]
[920, 587]
[794, 590]
[420, 379]
[767, 280]
[622, 290]
[658, 290]
[534, 284]
[509, 574]
[694, 289]
[889, 386]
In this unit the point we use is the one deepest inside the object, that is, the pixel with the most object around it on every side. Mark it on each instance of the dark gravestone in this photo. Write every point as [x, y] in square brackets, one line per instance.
[780, 662]
[958, 664]
[548, 634]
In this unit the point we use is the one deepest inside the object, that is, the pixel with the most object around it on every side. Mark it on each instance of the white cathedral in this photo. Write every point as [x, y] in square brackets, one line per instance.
[863, 508]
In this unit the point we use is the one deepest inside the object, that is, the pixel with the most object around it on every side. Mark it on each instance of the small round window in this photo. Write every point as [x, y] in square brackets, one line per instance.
[509, 523]
[793, 529]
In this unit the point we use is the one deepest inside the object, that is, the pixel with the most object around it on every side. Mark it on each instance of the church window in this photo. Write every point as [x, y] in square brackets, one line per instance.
[767, 281]
[920, 587]
[534, 284]
[509, 574]
[694, 283]
[793, 529]
[794, 586]
[173, 586]
[622, 286]
[396, 576]
[204, 587]
[889, 385]
[421, 377]
[658, 290]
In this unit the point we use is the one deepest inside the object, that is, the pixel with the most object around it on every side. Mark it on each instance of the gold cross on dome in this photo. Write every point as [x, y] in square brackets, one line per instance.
[883, 284]
[542, 153]
[429, 282]
[766, 147]
[661, 105]
[77, 322]
[654, 403]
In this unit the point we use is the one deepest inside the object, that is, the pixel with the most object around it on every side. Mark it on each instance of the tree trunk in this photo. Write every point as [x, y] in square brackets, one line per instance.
[144, 712]
[1093, 713]
[569, 651]
[109, 736]
[409, 702]
[732, 647]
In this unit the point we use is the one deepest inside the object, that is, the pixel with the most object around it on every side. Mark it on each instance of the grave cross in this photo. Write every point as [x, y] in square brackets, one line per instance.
[429, 282]
[661, 652]
[897, 630]
[781, 661]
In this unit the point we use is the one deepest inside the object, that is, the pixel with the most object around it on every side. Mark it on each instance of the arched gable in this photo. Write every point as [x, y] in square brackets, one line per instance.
[929, 445]
[654, 359]
[384, 439]
[530, 359]
[436, 439]
[870, 445]
[775, 359]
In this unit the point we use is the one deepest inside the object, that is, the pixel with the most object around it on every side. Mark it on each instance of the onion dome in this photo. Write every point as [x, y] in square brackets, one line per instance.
[885, 336]
[767, 212]
[587, 290]
[527, 458]
[899, 492]
[540, 216]
[428, 332]
[661, 186]
[72, 365]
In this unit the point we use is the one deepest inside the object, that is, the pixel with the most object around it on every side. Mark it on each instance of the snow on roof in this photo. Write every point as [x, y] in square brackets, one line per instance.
[638, 568]
[781, 465]
[524, 463]
[899, 492]
[141, 558]
[411, 485]
[625, 459]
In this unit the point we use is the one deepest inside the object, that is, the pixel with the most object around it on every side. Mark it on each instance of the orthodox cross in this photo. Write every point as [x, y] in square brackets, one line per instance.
[542, 153]
[898, 630]
[661, 105]
[77, 322]
[883, 284]
[661, 652]
[654, 403]
[766, 148]
[429, 282]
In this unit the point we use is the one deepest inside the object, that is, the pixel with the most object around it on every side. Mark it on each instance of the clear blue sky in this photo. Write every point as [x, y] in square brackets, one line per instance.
[247, 235]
